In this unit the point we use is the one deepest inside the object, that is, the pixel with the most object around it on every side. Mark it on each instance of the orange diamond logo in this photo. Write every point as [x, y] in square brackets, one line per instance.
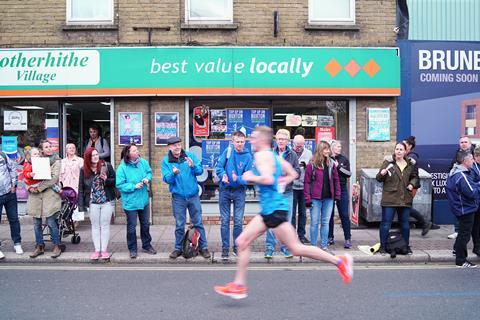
[371, 68]
[333, 67]
[352, 68]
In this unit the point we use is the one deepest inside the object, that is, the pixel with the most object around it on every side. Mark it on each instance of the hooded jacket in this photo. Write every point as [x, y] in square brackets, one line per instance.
[395, 182]
[184, 184]
[238, 162]
[127, 176]
[313, 183]
[462, 192]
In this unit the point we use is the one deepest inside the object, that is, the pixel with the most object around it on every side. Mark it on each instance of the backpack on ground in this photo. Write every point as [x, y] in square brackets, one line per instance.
[396, 244]
[190, 243]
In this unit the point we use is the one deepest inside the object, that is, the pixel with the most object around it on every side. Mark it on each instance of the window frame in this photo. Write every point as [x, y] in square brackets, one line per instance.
[208, 20]
[72, 21]
[347, 21]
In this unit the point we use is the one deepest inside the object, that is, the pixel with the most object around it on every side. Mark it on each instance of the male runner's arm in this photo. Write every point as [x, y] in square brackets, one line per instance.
[264, 162]
[289, 172]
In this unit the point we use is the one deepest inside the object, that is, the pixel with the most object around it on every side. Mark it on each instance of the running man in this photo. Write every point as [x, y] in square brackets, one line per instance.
[274, 210]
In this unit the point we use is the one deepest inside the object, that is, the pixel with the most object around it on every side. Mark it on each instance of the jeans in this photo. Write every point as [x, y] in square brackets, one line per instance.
[100, 215]
[465, 224]
[271, 241]
[321, 212]
[9, 201]
[299, 203]
[387, 217]
[227, 196]
[342, 207]
[180, 206]
[52, 224]
[132, 228]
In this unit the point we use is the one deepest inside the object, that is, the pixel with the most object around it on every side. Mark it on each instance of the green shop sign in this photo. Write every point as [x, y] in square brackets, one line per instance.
[202, 71]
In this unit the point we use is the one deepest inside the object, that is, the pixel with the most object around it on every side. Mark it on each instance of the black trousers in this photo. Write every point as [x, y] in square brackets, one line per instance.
[299, 203]
[465, 231]
[418, 216]
[476, 233]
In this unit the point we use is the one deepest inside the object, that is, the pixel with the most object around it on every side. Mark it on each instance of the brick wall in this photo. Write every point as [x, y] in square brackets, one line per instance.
[370, 154]
[39, 23]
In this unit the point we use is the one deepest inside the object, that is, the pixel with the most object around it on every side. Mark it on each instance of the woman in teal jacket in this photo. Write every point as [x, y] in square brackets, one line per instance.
[133, 176]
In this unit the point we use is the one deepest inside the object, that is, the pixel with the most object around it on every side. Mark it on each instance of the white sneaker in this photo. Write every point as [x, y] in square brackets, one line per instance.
[453, 235]
[1, 255]
[18, 249]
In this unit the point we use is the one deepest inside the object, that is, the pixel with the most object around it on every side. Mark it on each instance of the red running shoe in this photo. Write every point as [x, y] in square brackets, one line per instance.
[346, 268]
[232, 290]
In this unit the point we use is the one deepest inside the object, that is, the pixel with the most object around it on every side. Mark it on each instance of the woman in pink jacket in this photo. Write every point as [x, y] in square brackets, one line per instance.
[71, 166]
[321, 188]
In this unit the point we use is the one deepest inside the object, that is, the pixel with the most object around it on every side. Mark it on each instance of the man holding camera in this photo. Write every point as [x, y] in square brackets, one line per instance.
[304, 155]
[179, 170]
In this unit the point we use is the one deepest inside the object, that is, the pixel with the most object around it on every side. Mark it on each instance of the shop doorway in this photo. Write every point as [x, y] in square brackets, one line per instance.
[79, 116]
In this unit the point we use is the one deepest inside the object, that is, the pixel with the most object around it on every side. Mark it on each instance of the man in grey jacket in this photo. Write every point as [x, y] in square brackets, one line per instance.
[304, 155]
[8, 199]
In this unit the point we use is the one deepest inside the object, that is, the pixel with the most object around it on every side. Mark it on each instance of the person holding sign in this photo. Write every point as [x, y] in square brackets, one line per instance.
[43, 202]
[230, 167]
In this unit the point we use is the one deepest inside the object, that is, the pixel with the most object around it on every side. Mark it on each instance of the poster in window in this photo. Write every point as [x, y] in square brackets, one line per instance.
[324, 133]
[201, 121]
[52, 133]
[166, 126]
[10, 146]
[211, 151]
[378, 124]
[130, 127]
[293, 120]
[246, 120]
[15, 120]
[218, 121]
[325, 121]
[310, 145]
[235, 121]
[309, 120]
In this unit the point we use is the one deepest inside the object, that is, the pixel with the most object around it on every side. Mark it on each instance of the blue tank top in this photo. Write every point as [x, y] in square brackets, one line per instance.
[270, 199]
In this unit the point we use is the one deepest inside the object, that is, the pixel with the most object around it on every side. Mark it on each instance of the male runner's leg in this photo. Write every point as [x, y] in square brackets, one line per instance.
[237, 289]
[286, 234]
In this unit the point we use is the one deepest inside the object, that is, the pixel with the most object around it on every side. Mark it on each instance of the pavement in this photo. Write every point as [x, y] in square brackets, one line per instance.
[433, 248]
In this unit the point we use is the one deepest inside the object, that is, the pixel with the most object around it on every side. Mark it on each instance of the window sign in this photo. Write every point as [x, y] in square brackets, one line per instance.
[211, 151]
[324, 134]
[130, 128]
[309, 121]
[166, 126]
[209, 11]
[331, 12]
[201, 121]
[90, 11]
[326, 121]
[219, 121]
[10, 146]
[15, 120]
[378, 124]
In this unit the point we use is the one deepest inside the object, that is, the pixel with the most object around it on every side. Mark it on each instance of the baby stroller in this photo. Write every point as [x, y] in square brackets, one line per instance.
[66, 225]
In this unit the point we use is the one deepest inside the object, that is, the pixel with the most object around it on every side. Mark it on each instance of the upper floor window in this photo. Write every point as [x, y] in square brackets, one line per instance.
[331, 12]
[209, 11]
[90, 11]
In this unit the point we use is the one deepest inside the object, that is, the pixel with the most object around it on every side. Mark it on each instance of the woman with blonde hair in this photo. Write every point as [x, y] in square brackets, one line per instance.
[321, 188]
[71, 166]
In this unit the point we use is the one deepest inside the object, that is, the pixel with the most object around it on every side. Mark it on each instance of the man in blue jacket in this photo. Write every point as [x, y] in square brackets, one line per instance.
[230, 167]
[463, 196]
[179, 170]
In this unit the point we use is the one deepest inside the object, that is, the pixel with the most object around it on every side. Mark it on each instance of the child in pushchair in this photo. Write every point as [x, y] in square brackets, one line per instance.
[66, 225]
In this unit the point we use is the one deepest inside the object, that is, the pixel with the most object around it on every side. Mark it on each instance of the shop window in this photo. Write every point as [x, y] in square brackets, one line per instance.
[213, 121]
[90, 11]
[209, 11]
[331, 12]
[23, 125]
[471, 112]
